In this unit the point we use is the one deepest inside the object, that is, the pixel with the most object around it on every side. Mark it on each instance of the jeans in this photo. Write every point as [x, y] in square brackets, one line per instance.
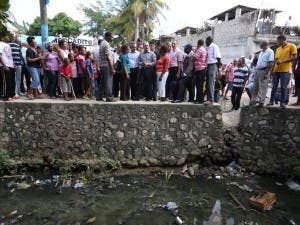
[134, 83]
[25, 74]
[106, 83]
[18, 79]
[52, 78]
[211, 73]
[200, 78]
[284, 79]
[236, 97]
[35, 76]
[217, 97]
[116, 84]
[186, 83]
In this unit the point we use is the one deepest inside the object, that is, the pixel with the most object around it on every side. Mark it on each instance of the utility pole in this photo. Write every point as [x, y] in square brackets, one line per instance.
[44, 21]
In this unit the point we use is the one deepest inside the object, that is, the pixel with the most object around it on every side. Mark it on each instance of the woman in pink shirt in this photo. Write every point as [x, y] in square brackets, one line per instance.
[51, 68]
[229, 77]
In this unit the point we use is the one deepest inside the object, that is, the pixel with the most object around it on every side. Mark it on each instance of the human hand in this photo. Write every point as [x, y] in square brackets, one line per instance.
[5, 68]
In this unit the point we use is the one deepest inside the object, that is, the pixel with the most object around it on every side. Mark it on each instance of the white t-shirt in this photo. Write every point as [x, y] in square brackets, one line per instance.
[6, 53]
[213, 52]
[95, 53]
[288, 23]
[134, 59]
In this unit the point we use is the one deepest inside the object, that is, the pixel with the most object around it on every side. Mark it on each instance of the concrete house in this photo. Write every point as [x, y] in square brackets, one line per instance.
[239, 30]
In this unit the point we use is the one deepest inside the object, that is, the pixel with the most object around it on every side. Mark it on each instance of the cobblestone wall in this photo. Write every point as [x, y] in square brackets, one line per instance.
[270, 140]
[134, 134]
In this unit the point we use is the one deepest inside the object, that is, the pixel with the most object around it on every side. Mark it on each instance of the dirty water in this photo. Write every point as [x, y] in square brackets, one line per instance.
[136, 199]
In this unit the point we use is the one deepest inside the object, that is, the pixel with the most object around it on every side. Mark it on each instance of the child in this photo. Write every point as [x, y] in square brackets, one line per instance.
[89, 75]
[239, 80]
[94, 82]
[66, 73]
[218, 88]
[250, 85]
[75, 78]
[124, 95]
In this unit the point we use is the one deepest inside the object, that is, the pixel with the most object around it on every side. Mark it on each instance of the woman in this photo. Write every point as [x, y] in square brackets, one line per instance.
[125, 71]
[62, 52]
[162, 72]
[33, 65]
[51, 68]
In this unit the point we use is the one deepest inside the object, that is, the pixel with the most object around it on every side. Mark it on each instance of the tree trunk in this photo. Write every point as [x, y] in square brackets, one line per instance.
[137, 30]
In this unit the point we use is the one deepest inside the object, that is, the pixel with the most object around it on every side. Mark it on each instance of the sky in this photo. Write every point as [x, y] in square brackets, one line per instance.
[181, 13]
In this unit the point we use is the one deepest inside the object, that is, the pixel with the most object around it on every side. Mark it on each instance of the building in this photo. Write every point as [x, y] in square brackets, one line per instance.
[239, 30]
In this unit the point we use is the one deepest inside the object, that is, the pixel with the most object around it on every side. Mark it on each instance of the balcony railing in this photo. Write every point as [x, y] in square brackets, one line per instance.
[267, 28]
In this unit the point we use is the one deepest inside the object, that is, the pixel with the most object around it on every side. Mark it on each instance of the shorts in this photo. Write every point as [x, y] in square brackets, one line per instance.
[230, 85]
[65, 85]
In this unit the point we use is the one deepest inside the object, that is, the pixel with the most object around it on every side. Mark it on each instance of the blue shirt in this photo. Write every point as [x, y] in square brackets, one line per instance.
[89, 67]
[264, 58]
[125, 62]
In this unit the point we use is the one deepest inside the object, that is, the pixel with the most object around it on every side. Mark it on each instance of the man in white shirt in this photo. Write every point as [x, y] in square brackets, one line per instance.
[133, 56]
[7, 71]
[288, 25]
[213, 63]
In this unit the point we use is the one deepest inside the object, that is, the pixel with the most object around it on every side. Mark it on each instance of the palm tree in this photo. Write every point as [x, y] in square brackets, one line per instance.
[4, 6]
[137, 17]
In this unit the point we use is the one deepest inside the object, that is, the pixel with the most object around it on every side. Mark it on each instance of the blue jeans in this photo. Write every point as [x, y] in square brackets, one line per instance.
[35, 76]
[284, 79]
[52, 78]
[18, 79]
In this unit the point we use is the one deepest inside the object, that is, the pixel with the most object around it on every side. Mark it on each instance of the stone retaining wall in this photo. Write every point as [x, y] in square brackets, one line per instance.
[270, 140]
[134, 134]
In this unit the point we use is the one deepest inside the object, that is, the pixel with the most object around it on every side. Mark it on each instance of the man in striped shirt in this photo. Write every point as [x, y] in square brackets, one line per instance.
[239, 80]
[17, 58]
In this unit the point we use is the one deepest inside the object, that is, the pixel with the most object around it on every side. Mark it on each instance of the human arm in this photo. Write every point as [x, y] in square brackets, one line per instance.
[3, 62]
[179, 61]
[293, 56]
[165, 67]
[30, 56]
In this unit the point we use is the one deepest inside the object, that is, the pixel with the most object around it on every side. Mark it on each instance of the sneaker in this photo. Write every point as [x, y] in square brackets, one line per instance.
[208, 103]
[283, 106]
[22, 94]
[110, 100]
[270, 104]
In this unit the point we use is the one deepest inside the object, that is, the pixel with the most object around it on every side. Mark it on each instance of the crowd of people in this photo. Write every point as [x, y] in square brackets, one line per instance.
[145, 72]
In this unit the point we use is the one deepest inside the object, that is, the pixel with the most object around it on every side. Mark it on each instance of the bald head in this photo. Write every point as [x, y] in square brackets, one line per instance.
[264, 44]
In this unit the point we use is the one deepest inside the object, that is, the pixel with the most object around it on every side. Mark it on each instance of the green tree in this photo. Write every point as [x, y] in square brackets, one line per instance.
[60, 24]
[4, 6]
[137, 18]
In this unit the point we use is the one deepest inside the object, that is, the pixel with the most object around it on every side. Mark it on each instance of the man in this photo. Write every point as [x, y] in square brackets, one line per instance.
[154, 89]
[95, 53]
[288, 25]
[147, 61]
[186, 82]
[229, 77]
[107, 69]
[213, 63]
[7, 69]
[263, 68]
[17, 58]
[200, 58]
[296, 71]
[176, 59]
[118, 69]
[133, 56]
[239, 81]
[285, 54]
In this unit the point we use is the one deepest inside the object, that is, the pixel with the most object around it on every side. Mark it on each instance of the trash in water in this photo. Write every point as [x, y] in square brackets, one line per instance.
[215, 218]
[15, 212]
[170, 206]
[23, 186]
[78, 185]
[178, 220]
[91, 220]
[12, 184]
[58, 223]
[209, 177]
[232, 166]
[230, 221]
[279, 184]
[55, 177]
[191, 171]
[218, 177]
[293, 185]
[292, 222]
[242, 187]
[184, 169]
[66, 183]
[264, 201]
[43, 182]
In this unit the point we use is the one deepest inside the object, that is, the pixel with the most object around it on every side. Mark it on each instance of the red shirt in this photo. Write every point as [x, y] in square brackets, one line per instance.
[66, 70]
[161, 63]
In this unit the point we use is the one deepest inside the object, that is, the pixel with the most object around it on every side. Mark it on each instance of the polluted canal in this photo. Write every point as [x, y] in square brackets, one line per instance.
[152, 198]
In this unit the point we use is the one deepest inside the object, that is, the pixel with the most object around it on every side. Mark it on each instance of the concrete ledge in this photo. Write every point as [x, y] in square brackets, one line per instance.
[134, 133]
